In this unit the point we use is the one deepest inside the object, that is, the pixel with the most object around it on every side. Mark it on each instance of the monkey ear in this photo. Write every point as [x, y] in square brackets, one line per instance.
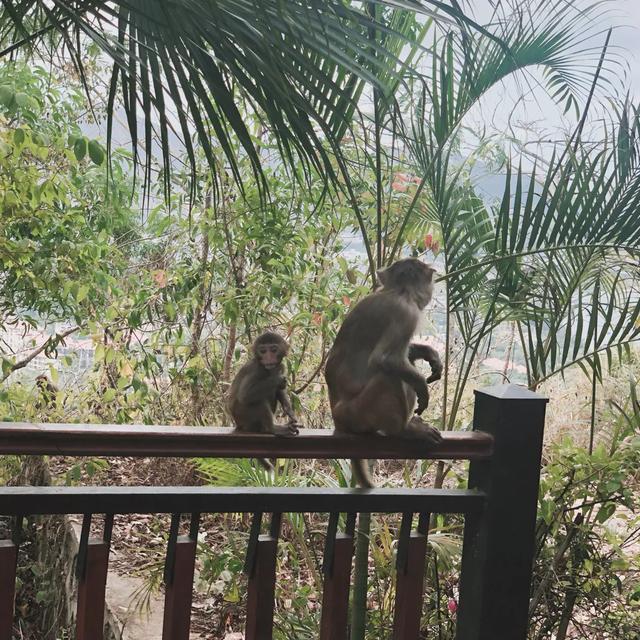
[383, 276]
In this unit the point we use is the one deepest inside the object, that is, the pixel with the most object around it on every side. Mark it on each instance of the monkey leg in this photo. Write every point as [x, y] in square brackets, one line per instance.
[380, 406]
[348, 418]
[259, 419]
[418, 428]
[385, 404]
[264, 418]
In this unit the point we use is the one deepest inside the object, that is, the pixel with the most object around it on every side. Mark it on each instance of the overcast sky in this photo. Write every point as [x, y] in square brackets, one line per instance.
[627, 37]
[523, 103]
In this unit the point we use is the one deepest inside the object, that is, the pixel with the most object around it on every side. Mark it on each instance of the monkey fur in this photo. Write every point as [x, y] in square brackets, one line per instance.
[48, 391]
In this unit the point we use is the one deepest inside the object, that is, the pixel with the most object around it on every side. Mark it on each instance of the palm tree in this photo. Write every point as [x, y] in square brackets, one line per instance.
[557, 257]
[556, 260]
[184, 65]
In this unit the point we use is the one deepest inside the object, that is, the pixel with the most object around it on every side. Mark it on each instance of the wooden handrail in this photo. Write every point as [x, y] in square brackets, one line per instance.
[57, 500]
[21, 438]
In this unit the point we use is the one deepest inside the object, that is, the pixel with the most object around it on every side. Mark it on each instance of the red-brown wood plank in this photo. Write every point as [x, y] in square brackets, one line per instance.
[409, 589]
[335, 595]
[147, 440]
[179, 591]
[8, 563]
[91, 590]
[261, 590]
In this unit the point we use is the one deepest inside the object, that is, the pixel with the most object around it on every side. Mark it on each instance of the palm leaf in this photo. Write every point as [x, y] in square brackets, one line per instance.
[299, 65]
[562, 260]
[465, 65]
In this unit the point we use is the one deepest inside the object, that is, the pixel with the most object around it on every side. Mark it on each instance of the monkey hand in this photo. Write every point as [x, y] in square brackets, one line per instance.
[294, 424]
[436, 370]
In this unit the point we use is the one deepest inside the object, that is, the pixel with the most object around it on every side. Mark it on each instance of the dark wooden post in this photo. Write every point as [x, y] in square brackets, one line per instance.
[91, 570]
[498, 545]
[8, 562]
[178, 577]
[338, 556]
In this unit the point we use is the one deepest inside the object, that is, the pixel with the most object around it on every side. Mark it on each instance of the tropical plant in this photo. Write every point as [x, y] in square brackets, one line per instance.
[59, 250]
[211, 277]
[554, 261]
[187, 66]
[181, 288]
[561, 242]
[587, 533]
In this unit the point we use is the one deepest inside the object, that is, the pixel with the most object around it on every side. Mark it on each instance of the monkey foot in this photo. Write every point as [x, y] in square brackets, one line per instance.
[288, 430]
[418, 428]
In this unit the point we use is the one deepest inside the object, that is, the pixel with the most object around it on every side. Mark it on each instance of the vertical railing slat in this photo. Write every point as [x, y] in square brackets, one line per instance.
[93, 565]
[179, 571]
[412, 549]
[8, 564]
[261, 587]
[337, 580]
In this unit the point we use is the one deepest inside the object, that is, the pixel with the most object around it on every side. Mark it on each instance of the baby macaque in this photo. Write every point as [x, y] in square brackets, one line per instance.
[258, 388]
[48, 392]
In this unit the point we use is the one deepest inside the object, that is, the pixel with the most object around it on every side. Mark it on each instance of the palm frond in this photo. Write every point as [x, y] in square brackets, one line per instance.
[183, 67]
[559, 255]
[589, 306]
[464, 65]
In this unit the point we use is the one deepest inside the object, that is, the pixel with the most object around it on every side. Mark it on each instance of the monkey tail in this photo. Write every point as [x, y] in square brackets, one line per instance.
[266, 464]
[360, 470]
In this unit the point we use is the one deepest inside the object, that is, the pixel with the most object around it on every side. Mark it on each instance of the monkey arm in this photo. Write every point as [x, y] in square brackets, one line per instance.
[419, 351]
[283, 398]
[391, 356]
[292, 427]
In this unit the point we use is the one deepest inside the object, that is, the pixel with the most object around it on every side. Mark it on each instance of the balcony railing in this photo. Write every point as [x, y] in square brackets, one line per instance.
[499, 509]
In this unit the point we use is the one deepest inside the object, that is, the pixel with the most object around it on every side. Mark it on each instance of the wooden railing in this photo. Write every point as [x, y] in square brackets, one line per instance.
[499, 507]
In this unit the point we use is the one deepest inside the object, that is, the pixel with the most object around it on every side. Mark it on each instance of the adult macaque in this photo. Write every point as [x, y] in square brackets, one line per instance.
[258, 388]
[373, 383]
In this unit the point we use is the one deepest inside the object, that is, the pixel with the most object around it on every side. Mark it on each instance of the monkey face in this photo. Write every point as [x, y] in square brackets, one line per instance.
[269, 349]
[410, 275]
[269, 355]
